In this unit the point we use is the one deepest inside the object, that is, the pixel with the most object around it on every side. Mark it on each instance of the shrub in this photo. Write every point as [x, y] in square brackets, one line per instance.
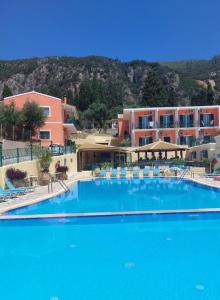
[61, 169]
[45, 160]
[15, 174]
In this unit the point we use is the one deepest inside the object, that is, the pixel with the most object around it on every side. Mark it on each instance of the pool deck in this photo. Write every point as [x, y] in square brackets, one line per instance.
[41, 194]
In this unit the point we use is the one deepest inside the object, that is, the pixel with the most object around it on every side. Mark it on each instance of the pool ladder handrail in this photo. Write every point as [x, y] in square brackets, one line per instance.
[63, 185]
[183, 175]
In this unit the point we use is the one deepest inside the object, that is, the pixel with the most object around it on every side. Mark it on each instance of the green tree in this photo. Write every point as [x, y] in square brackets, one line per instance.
[154, 93]
[6, 91]
[97, 112]
[33, 118]
[11, 121]
[210, 95]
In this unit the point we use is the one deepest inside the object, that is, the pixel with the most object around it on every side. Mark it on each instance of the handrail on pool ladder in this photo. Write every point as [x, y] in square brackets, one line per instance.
[183, 175]
[63, 185]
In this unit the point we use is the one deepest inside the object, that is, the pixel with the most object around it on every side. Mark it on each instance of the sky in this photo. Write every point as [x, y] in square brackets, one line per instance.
[152, 30]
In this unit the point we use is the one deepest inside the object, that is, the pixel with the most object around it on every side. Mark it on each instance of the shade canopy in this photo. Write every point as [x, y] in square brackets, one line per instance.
[160, 146]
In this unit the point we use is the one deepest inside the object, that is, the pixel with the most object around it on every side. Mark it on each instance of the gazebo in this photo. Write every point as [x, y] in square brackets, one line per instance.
[161, 147]
[92, 154]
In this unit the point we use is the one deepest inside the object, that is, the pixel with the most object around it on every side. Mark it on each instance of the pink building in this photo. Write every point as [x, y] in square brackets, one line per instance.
[180, 125]
[59, 125]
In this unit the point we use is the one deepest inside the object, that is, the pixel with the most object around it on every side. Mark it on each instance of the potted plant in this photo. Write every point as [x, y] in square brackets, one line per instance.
[62, 170]
[16, 176]
[45, 161]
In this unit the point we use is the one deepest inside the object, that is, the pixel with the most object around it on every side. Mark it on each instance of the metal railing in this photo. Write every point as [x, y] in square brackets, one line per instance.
[31, 152]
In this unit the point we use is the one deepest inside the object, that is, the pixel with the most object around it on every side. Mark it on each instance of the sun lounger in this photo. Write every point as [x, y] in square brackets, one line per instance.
[136, 172]
[102, 173]
[114, 173]
[21, 190]
[146, 171]
[123, 172]
[7, 194]
[156, 171]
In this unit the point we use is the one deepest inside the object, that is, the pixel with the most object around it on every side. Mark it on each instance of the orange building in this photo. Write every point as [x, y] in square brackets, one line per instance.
[180, 125]
[59, 125]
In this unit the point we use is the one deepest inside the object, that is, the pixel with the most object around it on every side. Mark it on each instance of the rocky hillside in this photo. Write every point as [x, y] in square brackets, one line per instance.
[57, 75]
[98, 84]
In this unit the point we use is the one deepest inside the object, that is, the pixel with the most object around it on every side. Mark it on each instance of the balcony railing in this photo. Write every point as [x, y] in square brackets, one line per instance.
[166, 125]
[187, 125]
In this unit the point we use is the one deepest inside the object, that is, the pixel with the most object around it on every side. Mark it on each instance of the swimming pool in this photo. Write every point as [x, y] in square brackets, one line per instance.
[111, 258]
[120, 195]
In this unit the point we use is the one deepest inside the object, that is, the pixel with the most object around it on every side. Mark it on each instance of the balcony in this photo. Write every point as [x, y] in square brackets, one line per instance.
[166, 125]
[69, 124]
[186, 125]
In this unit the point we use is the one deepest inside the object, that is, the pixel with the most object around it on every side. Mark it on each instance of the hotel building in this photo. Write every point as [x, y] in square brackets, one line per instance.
[180, 125]
[59, 125]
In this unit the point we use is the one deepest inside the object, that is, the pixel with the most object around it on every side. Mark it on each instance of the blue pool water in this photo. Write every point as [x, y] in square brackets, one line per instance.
[110, 195]
[113, 258]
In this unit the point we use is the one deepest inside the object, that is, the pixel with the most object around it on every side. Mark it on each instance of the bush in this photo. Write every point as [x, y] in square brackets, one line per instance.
[45, 160]
[15, 174]
[61, 169]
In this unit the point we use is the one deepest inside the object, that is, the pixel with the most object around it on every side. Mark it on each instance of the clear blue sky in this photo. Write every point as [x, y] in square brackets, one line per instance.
[142, 29]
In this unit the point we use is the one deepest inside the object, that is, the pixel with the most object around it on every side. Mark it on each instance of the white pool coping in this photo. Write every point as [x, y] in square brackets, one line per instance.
[17, 203]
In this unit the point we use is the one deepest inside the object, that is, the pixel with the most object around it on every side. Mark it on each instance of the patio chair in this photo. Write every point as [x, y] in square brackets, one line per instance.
[102, 173]
[136, 172]
[21, 190]
[114, 173]
[123, 172]
[146, 171]
[156, 171]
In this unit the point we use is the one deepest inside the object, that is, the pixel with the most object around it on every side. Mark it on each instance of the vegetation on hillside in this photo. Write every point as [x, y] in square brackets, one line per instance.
[101, 87]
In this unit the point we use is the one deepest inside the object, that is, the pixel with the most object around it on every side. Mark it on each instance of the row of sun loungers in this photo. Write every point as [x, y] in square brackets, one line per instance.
[124, 172]
[13, 192]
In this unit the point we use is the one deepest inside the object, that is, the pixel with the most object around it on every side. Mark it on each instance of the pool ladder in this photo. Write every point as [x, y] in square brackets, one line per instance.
[63, 185]
[183, 175]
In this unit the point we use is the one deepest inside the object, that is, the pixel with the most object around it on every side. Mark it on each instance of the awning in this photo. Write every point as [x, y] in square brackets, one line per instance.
[160, 146]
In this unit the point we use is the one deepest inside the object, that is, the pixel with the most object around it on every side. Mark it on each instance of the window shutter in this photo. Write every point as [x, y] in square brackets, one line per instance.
[140, 122]
[181, 120]
[140, 141]
[201, 120]
[191, 120]
[161, 121]
[171, 120]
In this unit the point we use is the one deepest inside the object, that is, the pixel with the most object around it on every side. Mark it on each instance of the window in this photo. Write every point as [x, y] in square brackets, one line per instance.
[167, 139]
[145, 122]
[145, 140]
[193, 155]
[204, 154]
[206, 139]
[186, 120]
[187, 140]
[166, 121]
[45, 135]
[206, 120]
[46, 110]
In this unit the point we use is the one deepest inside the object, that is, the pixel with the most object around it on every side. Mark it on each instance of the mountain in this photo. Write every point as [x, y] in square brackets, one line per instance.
[198, 69]
[118, 84]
